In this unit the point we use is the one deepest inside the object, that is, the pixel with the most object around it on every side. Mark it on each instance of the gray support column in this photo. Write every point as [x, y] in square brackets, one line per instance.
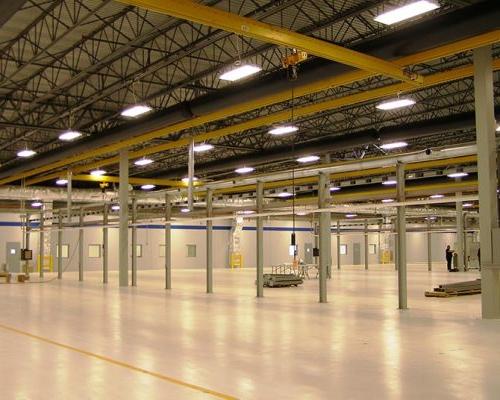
[41, 243]
[27, 242]
[80, 248]
[134, 242]
[260, 239]
[487, 167]
[338, 245]
[209, 242]
[396, 250]
[123, 230]
[379, 253]
[316, 239]
[168, 243]
[324, 235]
[460, 234]
[69, 188]
[190, 174]
[401, 238]
[429, 245]
[59, 245]
[366, 245]
[105, 244]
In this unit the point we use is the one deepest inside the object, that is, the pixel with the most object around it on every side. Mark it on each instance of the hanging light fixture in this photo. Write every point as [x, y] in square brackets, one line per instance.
[26, 153]
[137, 109]
[244, 170]
[200, 148]
[283, 129]
[97, 172]
[148, 186]
[70, 135]
[62, 182]
[143, 161]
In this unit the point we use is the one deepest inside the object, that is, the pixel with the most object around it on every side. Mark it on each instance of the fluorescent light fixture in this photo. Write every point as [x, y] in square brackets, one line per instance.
[432, 218]
[26, 153]
[393, 145]
[307, 159]
[62, 182]
[240, 72]
[457, 174]
[203, 147]
[115, 207]
[36, 203]
[467, 205]
[285, 194]
[97, 172]
[406, 12]
[283, 129]
[387, 200]
[184, 210]
[390, 182]
[351, 215]
[498, 128]
[334, 188]
[136, 110]
[69, 135]
[186, 179]
[143, 161]
[148, 186]
[394, 104]
[244, 170]
[301, 213]
[245, 212]
[437, 196]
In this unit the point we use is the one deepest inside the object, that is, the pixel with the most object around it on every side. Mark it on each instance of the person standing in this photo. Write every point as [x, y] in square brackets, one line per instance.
[449, 257]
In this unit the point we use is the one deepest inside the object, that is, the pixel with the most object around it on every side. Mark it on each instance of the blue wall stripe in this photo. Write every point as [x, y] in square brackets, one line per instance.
[183, 227]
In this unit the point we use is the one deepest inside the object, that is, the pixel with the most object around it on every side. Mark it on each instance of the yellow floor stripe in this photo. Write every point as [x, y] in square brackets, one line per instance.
[122, 364]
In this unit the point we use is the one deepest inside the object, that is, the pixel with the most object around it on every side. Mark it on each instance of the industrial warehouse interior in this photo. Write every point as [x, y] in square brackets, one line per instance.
[249, 199]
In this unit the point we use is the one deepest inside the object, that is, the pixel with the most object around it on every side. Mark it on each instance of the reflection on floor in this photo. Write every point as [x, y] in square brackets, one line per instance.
[283, 346]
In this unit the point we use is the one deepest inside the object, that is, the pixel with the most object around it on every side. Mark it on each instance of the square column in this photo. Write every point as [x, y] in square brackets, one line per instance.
[324, 235]
[80, 248]
[209, 242]
[105, 244]
[487, 173]
[134, 242]
[401, 238]
[123, 225]
[260, 239]
[168, 243]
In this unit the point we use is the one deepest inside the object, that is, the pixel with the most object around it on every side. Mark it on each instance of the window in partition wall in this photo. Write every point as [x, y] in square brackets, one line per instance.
[191, 250]
[64, 251]
[94, 250]
[372, 249]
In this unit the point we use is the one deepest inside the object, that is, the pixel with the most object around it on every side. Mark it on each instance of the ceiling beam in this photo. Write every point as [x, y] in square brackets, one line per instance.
[132, 181]
[344, 79]
[230, 22]
[361, 97]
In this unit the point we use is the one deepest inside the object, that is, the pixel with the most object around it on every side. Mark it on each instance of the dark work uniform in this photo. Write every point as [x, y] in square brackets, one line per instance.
[449, 258]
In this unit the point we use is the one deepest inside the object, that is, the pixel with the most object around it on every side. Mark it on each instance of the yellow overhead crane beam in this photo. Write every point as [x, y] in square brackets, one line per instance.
[361, 97]
[243, 26]
[344, 79]
[131, 180]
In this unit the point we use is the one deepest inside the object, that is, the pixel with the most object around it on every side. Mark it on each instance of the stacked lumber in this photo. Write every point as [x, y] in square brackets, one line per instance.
[282, 280]
[456, 289]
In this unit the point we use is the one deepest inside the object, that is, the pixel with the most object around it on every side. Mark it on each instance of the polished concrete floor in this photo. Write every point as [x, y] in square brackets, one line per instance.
[71, 340]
